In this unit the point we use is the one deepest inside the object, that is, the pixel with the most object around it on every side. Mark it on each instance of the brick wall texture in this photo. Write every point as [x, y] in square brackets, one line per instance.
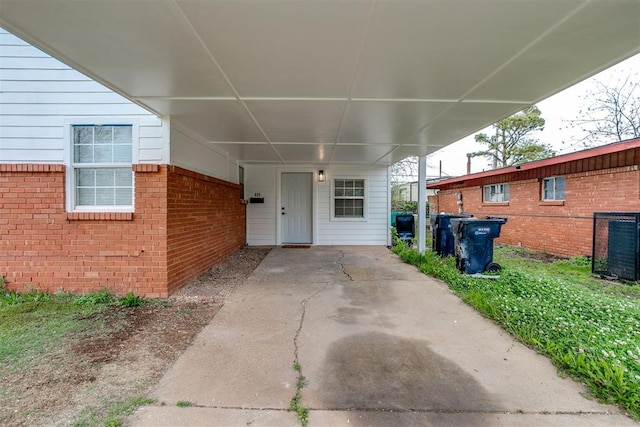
[183, 224]
[562, 228]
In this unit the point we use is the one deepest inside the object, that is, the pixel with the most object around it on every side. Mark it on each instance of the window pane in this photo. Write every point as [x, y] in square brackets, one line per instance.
[83, 134]
[85, 197]
[104, 186]
[495, 193]
[103, 154]
[85, 178]
[547, 189]
[560, 185]
[105, 196]
[122, 153]
[339, 192]
[103, 135]
[122, 134]
[105, 178]
[83, 154]
[124, 177]
[124, 196]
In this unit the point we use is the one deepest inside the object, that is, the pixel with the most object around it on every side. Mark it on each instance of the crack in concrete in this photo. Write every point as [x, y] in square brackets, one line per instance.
[344, 270]
[463, 411]
[408, 410]
[303, 303]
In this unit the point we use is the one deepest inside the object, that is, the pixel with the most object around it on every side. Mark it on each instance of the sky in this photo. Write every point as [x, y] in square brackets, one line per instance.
[558, 111]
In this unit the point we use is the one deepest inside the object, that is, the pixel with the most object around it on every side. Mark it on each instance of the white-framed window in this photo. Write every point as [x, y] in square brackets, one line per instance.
[349, 199]
[100, 175]
[553, 188]
[495, 193]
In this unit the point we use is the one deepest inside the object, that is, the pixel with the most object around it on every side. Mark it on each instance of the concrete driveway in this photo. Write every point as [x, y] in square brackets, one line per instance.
[379, 343]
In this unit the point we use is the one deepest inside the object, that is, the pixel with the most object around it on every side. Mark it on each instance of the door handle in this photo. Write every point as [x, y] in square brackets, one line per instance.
[283, 213]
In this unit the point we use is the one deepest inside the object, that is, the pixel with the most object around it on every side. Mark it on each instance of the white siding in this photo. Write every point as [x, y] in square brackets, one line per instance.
[39, 95]
[375, 229]
[189, 152]
[262, 219]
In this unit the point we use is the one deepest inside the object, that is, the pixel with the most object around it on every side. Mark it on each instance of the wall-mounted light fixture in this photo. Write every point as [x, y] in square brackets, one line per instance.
[320, 175]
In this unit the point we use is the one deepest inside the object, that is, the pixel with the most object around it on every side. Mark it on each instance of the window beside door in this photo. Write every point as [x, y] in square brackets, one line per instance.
[349, 199]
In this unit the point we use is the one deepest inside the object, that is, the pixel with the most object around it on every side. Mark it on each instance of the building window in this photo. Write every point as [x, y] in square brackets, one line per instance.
[553, 188]
[349, 198]
[101, 173]
[496, 193]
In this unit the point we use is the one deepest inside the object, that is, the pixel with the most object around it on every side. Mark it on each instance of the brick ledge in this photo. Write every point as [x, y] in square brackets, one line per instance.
[99, 216]
[35, 167]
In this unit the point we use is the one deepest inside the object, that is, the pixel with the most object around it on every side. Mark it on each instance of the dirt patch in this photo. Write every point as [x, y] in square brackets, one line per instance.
[532, 255]
[121, 356]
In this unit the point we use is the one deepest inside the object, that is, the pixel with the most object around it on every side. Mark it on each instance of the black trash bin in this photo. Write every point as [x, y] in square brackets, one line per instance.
[442, 241]
[406, 228]
[474, 243]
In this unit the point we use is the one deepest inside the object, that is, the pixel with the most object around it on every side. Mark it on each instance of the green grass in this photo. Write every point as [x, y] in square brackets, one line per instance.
[34, 326]
[116, 409]
[589, 327]
[31, 324]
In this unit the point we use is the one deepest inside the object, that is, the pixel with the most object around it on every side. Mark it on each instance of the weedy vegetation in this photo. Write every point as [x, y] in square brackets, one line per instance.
[588, 327]
[295, 405]
[34, 325]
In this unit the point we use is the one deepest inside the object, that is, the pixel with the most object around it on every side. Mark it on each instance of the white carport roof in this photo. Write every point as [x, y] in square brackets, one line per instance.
[361, 81]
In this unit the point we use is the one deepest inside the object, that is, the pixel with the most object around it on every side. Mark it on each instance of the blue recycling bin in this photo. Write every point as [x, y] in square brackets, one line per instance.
[473, 245]
[442, 241]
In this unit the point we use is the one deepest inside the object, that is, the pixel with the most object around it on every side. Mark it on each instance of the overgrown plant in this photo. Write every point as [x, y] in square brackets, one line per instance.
[296, 401]
[100, 297]
[591, 334]
[132, 300]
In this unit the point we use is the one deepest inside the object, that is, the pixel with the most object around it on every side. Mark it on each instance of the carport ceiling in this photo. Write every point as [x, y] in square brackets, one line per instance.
[323, 82]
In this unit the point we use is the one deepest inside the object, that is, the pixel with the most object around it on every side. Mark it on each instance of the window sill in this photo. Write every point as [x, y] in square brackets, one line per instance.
[491, 204]
[349, 219]
[551, 203]
[99, 216]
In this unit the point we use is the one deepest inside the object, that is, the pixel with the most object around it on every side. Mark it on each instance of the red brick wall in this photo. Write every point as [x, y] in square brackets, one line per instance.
[43, 247]
[560, 228]
[206, 224]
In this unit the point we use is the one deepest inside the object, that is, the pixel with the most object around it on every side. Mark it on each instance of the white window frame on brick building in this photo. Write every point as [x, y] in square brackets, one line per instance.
[99, 156]
[349, 199]
[495, 193]
[553, 189]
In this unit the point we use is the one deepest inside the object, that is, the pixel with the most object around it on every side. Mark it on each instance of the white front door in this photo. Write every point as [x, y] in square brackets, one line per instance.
[296, 209]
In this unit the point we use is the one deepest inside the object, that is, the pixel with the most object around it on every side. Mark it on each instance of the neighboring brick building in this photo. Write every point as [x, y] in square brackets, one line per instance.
[550, 203]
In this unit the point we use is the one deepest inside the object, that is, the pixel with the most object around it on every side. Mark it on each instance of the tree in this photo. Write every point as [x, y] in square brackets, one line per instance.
[613, 111]
[512, 144]
[406, 170]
